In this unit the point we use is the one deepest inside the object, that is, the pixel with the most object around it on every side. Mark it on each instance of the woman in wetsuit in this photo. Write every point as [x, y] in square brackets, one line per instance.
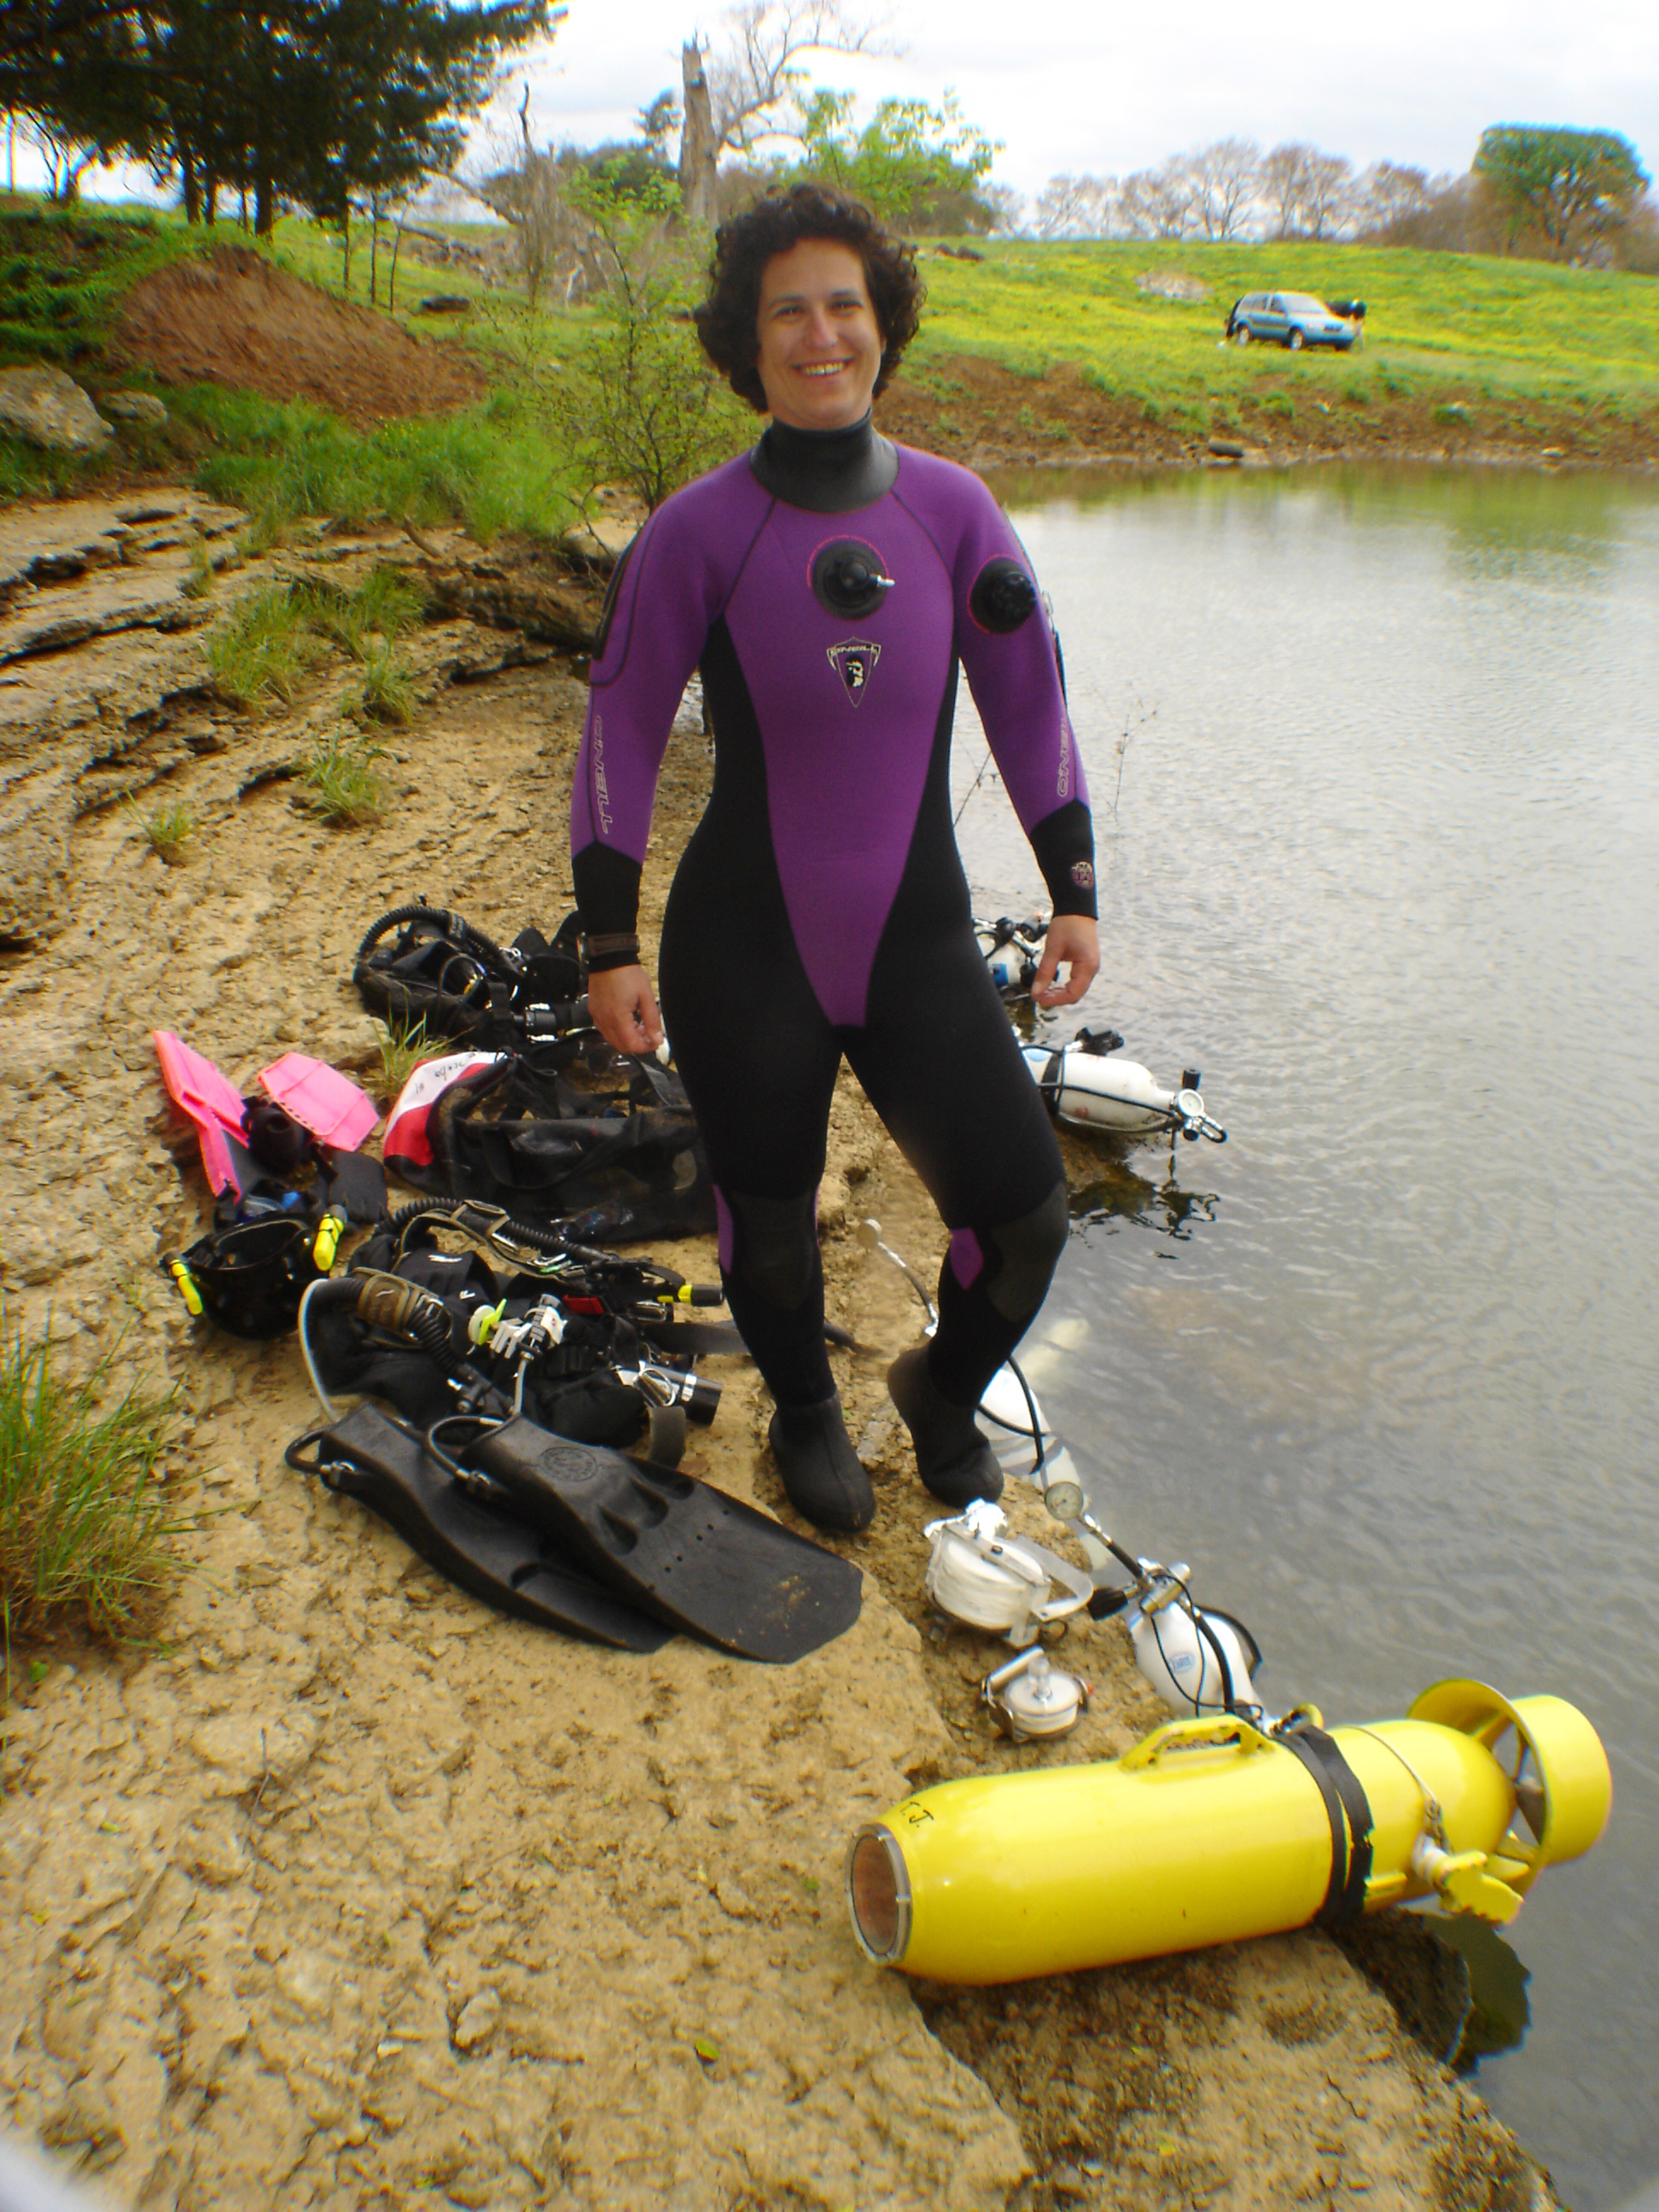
[826, 585]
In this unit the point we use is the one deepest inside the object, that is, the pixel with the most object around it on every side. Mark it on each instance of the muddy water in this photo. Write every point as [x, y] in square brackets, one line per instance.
[1384, 863]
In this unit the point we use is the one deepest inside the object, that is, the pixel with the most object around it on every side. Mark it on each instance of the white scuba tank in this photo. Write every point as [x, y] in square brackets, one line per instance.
[1100, 1091]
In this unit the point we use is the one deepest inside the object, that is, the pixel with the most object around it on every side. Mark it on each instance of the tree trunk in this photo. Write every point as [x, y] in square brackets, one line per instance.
[700, 152]
[391, 273]
[210, 201]
[345, 247]
[264, 207]
[192, 184]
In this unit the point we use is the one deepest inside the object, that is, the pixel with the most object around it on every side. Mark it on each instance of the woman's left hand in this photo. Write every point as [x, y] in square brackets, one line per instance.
[1073, 941]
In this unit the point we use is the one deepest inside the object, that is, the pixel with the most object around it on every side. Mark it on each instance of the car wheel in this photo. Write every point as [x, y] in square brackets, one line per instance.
[1294, 341]
[1242, 335]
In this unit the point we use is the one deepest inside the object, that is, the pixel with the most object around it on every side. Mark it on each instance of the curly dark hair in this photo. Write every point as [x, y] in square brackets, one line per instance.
[728, 319]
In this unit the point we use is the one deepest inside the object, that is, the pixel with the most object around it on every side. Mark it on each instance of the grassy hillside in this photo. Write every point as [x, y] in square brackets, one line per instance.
[1464, 326]
[1066, 353]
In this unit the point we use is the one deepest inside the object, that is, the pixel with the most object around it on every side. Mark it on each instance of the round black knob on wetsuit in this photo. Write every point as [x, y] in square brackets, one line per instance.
[847, 579]
[1003, 596]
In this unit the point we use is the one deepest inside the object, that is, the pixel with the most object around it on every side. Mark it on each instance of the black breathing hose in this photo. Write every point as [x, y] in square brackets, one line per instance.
[447, 921]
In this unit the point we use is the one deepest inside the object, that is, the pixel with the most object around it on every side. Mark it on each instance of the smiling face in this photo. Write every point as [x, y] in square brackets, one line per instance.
[820, 343]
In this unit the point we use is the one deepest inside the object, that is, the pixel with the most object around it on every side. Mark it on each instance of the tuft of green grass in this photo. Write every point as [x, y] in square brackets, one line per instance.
[384, 606]
[404, 1047]
[84, 1520]
[200, 582]
[265, 644]
[167, 830]
[387, 691]
[344, 788]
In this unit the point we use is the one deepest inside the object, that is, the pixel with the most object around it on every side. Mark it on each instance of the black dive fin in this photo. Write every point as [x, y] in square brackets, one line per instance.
[677, 1547]
[374, 1458]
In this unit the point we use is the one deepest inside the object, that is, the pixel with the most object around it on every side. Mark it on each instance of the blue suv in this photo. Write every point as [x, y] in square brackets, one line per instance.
[1289, 319]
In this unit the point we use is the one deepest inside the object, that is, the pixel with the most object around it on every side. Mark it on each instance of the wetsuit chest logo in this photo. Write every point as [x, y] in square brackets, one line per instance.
[855, 663]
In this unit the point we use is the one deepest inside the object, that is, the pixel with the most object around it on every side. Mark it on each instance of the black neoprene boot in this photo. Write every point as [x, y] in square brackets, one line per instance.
[953, 1458]
[821, 1471]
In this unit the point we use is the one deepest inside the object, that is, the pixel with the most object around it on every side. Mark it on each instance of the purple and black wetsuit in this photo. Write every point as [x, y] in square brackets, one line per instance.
[827, 586]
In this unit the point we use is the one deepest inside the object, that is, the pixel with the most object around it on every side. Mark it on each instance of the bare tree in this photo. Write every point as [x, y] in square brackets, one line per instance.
[1156, 203]
[1387, 193]
[1283, 171]
[1308, 194]
[531, 190]
[1223, 178]
[1327, 196]
[1075, 207]
[735, 90]
[65, 159]
[1007, 210]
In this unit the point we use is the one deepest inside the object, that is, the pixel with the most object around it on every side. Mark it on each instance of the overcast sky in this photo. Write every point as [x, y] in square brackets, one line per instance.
[1091, 85]
[1106, 87]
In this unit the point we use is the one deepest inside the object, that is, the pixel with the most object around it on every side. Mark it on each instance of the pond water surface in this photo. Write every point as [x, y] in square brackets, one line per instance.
[1384, 864]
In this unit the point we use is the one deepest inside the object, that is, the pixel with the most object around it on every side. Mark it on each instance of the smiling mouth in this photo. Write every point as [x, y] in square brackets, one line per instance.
[823, 367]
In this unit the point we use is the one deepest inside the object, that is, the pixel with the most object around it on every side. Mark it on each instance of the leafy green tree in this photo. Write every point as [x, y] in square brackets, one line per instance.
[919, 167]
[305, 99]
[75, 70]
[1574, 188]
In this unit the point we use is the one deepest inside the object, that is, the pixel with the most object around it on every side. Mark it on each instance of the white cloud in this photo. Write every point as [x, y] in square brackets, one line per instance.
[1072, 84]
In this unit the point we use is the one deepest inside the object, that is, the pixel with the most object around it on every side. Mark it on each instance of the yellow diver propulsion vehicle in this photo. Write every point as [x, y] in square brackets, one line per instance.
[1212, 1830]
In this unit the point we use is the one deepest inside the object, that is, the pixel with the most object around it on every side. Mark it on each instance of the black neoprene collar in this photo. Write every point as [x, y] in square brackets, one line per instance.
[826, 471]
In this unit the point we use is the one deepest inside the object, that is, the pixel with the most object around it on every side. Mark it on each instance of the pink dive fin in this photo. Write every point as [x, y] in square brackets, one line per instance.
[320, 1099]
[211, 1100]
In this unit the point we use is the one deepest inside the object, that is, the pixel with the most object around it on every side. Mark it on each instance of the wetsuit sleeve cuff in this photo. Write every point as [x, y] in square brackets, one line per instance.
[608, 898]
[1064, 843]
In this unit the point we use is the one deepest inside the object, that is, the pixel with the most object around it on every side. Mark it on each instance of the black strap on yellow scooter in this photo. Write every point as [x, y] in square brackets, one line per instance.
[1349, 1813]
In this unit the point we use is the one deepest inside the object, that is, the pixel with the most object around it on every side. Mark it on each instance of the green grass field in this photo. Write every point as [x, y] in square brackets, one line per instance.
[1525, 347]
[1464, 323]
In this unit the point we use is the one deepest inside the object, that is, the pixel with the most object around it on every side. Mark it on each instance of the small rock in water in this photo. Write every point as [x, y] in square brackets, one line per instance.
[481, 2016]
[135, 407]
[50, 409]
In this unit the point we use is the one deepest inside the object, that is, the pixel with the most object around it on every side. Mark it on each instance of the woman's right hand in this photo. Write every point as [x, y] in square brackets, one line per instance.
[623, 1010]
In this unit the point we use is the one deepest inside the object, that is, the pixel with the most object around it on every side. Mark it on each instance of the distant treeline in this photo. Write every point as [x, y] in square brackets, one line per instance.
[1554, 194]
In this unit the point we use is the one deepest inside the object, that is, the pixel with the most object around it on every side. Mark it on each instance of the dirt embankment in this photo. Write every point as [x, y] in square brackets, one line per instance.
[350, 1893]
[229, 318]
[976, 411]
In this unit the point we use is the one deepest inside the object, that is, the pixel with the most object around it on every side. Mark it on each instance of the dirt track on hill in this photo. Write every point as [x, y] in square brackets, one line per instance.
[350, 1893]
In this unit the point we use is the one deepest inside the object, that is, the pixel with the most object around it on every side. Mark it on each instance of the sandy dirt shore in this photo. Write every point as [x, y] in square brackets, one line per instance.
[345, 1891]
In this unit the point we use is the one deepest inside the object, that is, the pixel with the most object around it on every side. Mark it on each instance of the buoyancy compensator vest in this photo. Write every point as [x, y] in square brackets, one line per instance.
[615, 1166]
[424, 964]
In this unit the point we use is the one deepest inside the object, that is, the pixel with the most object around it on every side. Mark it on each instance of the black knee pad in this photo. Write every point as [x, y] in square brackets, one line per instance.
[774, 1245]
[1027, 1251]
